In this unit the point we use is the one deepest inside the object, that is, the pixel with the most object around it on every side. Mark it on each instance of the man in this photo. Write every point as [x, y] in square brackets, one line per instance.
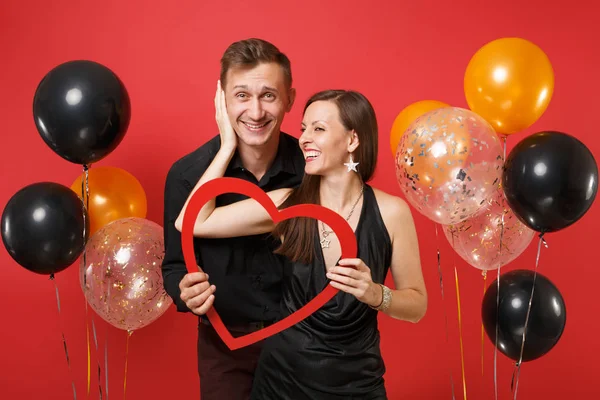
[240, 275]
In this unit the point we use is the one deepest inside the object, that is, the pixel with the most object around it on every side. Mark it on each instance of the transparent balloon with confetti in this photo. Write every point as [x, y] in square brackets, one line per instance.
[121, 273]
[491, 238]
[448, 164]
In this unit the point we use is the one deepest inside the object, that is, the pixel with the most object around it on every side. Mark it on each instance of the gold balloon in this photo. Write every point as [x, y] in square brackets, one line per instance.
[114, 194]
[407, 116]
[509, 82]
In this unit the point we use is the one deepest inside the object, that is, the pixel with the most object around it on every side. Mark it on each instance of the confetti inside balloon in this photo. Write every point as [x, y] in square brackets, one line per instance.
[121, 278]
[448, 164]
[477, 239]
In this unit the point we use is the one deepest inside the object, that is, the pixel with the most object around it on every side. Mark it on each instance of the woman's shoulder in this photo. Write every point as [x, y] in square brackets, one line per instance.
[391, 206]
[395, 213]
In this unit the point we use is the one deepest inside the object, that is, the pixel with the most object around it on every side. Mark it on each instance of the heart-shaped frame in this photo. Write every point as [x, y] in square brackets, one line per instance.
[219, 186]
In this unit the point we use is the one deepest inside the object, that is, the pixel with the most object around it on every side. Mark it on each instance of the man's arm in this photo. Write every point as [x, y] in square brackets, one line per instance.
[173, 265]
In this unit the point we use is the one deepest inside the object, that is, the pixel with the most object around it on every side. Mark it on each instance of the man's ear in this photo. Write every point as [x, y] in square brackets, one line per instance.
[291, 99]
[353, 142]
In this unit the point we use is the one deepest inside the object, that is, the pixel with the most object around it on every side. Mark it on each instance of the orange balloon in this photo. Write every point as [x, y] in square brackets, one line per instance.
[114, 194]
[407, 116]
[509, 82]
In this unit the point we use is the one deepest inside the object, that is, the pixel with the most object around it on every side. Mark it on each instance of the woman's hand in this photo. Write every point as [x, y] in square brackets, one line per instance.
[228, 135]
[351, 275]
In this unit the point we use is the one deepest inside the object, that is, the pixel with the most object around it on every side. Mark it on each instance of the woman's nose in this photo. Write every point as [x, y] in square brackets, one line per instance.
[305, 137]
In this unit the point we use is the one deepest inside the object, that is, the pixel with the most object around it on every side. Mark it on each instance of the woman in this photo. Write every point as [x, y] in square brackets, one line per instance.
[334, 353]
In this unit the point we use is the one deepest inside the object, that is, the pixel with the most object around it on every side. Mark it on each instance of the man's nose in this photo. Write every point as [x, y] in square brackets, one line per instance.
[256, 111]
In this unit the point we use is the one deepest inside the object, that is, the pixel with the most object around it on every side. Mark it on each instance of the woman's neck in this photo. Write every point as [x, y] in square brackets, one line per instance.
[340, 191]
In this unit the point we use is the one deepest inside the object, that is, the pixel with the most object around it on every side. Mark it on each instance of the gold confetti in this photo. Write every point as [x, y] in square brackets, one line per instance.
[121, 256]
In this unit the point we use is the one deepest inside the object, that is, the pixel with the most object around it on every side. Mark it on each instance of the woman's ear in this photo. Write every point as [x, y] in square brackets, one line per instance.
[353, 142]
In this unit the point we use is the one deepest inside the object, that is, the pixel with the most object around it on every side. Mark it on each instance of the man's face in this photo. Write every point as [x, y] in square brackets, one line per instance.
[257, 100]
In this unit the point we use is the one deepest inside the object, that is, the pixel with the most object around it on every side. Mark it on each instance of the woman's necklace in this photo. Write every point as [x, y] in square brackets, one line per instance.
[325, 242]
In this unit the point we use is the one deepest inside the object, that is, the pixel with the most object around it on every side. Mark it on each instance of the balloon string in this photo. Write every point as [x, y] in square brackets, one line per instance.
[462, 353]
[518, 364]
[85, 196]
[498, 281]
[512, 380]
[87, 329]
[129, 333]
[106, 361]
[484, 273]
[97, 358]
[498, 305]
[443, 301]
[85, 204]
[63, 337]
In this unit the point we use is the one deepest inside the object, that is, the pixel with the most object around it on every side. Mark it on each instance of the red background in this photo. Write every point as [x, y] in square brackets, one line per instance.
[167, 54]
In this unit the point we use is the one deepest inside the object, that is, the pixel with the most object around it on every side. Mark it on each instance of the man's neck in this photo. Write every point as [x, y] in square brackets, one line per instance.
[258, 159]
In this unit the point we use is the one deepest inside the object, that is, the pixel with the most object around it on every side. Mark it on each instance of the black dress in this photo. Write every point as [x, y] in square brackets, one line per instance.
[334, 353]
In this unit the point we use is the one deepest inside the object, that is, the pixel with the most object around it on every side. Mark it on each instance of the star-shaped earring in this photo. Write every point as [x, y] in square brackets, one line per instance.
[351, 165]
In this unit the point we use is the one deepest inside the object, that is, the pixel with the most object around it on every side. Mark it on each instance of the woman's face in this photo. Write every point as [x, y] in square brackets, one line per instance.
[325, 142]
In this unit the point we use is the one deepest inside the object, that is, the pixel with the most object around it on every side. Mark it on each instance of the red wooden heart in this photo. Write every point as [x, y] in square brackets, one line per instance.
[215, 187]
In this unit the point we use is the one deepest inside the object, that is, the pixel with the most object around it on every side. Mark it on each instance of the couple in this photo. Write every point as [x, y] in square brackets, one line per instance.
[256, 273]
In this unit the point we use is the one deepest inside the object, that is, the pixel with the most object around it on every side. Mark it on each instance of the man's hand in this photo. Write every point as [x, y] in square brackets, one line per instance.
[226, 131]
[197, 292]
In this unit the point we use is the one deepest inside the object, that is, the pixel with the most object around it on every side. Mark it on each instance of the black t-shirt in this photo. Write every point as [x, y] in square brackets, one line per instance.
[244, 270]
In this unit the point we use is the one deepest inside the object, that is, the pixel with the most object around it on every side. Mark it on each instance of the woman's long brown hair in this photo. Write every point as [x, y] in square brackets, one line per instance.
[356, 113]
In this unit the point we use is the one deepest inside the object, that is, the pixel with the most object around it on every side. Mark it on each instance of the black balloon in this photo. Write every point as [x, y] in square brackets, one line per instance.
[43, 226]
[550, 180]
[546, 321]
[82, 111]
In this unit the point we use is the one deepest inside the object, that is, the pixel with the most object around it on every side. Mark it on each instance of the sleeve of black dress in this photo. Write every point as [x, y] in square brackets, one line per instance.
[173, 265]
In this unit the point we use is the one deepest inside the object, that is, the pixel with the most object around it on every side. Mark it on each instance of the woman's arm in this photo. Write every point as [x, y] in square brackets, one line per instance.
[409, 299]
[243, 218]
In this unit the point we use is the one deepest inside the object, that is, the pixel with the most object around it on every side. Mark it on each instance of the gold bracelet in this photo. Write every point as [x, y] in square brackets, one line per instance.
[386, 298]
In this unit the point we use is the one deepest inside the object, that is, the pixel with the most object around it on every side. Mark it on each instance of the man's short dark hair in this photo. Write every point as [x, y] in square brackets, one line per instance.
[249, 53]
